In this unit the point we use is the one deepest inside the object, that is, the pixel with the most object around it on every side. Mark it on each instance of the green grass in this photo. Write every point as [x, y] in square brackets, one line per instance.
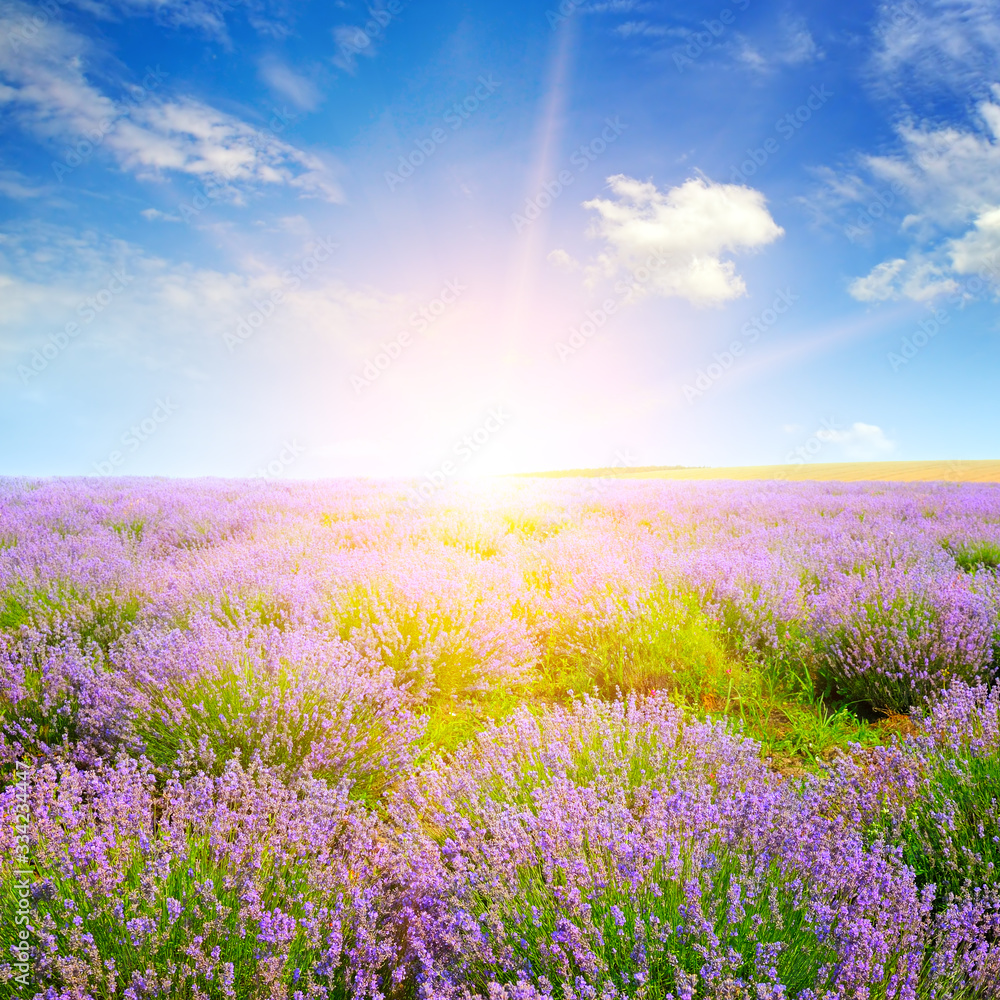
[669, 644]
[674, 646]
[972, 556]
[454, 721]
[786, 720]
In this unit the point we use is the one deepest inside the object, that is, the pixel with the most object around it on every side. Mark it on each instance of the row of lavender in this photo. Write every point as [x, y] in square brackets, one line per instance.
[211, 701]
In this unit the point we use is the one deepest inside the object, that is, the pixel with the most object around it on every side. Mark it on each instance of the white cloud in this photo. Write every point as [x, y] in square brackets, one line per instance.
[799, 45]
[690, 227]
[861, 442]
[292, 86]
[979, 249]
[47, 91]
[880, 284]
[915, 278]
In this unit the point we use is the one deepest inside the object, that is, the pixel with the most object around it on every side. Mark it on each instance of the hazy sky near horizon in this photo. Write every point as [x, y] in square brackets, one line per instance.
[437, 239]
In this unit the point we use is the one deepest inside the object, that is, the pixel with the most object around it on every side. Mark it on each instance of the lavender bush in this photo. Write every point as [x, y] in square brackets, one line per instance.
[263, 740]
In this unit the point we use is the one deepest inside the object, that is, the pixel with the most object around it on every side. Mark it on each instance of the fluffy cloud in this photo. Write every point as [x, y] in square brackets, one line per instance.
[689, 228]
[978, 251]
[45, 87]
[861, 442]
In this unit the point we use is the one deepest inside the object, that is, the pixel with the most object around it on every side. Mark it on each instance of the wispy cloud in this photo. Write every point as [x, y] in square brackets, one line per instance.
[791, 45]
[155, 215]
[206, 17]
[48, 272]
[915, 278]
[860, 442]
[934, 43]
[951, 179]
[14, 184]
[47, 91]
[643, 29]
[289, 85]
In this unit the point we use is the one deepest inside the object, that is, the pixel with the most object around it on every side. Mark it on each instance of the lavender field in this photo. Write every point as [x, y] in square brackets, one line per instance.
[569, 739]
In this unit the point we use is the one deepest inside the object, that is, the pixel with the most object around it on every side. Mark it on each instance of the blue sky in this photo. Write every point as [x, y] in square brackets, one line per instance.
[303, 239]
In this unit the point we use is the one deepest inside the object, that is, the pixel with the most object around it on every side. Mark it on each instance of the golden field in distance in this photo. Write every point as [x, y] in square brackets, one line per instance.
[848, 472]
